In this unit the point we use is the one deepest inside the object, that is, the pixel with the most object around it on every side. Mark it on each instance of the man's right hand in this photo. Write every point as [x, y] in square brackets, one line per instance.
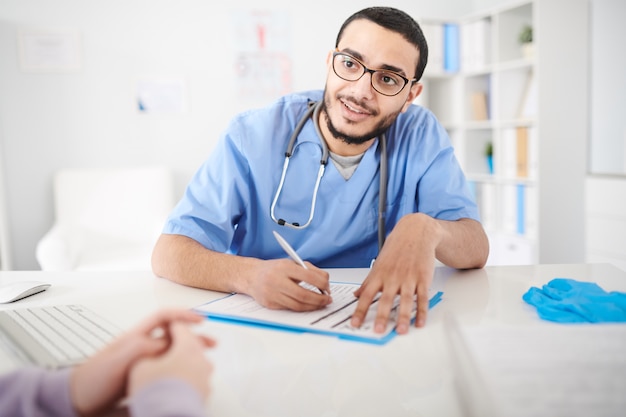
[276, 286]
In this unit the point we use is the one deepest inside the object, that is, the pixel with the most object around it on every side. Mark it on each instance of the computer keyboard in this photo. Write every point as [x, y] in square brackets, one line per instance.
[56, 336]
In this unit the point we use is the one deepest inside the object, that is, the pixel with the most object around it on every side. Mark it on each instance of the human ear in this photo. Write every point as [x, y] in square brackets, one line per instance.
[414, 92]
[329, 58]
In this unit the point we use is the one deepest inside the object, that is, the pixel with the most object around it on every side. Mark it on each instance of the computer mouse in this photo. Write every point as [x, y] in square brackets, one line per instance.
[17, 290]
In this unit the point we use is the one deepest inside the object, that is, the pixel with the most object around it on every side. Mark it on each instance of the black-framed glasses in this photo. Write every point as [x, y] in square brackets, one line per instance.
[385, 82]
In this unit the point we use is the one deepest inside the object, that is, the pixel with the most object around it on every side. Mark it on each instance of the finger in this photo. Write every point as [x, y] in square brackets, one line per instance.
[313, 278]
[184, 338]
[422, 306]
[407, 301]
[156, 328]
[318, 278]
[188, 348]
[310, 287]
[280, 289]
[207, 341]
[150, 346]
[385, 303]
[163, 317]
[294, 296]
[362, 287]
[133, 345]
[362, 306]
[302, 299]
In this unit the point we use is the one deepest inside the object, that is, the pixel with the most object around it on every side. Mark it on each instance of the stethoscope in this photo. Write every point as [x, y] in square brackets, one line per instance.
[314, 109]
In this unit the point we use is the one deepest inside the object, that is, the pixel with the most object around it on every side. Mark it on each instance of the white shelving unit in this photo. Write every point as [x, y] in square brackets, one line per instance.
[502, 95]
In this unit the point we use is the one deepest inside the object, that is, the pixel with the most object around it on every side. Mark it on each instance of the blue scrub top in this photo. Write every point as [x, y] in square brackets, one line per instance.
[226, 206]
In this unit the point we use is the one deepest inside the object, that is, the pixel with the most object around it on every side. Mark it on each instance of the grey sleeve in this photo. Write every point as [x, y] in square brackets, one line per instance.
[168, 397]
[36, 392]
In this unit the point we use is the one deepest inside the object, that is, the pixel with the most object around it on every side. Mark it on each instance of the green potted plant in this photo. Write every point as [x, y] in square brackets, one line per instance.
[525, 38]
[489, 156]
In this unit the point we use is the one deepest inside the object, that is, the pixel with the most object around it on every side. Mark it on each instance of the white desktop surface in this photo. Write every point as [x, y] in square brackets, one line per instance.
[260, 372]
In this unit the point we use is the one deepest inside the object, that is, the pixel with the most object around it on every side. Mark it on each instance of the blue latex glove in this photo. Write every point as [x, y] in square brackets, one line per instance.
[566, 300]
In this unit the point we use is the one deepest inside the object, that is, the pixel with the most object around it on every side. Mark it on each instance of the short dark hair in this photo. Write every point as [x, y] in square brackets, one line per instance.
[397, 21]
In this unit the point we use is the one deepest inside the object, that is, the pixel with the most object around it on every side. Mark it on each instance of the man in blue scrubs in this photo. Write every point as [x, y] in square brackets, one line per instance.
[219, 236]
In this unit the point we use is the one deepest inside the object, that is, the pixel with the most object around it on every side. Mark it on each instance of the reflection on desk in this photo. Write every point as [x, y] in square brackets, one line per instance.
[271, 373]
[553, 370]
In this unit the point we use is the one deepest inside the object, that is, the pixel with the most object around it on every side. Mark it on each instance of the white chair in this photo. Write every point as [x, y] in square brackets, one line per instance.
[106, 219]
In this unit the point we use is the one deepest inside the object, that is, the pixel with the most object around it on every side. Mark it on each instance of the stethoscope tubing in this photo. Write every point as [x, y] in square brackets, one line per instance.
[314, 109]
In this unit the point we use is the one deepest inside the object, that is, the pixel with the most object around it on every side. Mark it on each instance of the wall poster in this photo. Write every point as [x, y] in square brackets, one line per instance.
[263, 63]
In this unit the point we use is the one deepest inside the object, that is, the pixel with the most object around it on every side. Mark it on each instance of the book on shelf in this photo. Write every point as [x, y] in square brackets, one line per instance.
[528, 104]
[433, 32]
[522, 152]
[519, 152]
[533, 153]
[475, 44]
[531, 211]
[451, 47]
[509, 208]
[480, 109]
[486, 199]
[508, 168]
[521, 209]
[444, 49]
[519, 213]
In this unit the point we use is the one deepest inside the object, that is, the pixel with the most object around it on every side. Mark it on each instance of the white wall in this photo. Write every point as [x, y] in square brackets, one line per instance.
[605, 208]
[52, 121]
[5, 253]
[88, 118]
[605, 212]
[608, 87]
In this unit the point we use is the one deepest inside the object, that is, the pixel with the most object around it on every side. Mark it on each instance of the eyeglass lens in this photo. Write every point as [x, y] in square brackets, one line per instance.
[385, 82]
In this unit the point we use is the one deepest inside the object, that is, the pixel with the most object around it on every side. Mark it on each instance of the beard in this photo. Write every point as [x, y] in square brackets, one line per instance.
[380, 128]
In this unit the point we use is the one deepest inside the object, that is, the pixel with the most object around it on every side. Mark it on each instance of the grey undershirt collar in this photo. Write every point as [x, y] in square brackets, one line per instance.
[346, 165]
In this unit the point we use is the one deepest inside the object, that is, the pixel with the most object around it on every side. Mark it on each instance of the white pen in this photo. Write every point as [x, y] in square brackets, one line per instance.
[292, 253]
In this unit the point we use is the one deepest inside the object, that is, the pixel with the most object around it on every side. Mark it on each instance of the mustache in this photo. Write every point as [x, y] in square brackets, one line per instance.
[358, 103]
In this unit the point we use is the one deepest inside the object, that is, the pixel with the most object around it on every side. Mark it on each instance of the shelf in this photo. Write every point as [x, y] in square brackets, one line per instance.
[478, 125]
[516, 64]
[539, 137]
[435, 75]
[498, 180]
[491, 99]
[501, 124]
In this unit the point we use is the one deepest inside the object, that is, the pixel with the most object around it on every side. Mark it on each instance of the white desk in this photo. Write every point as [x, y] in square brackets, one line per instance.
[273, 373]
